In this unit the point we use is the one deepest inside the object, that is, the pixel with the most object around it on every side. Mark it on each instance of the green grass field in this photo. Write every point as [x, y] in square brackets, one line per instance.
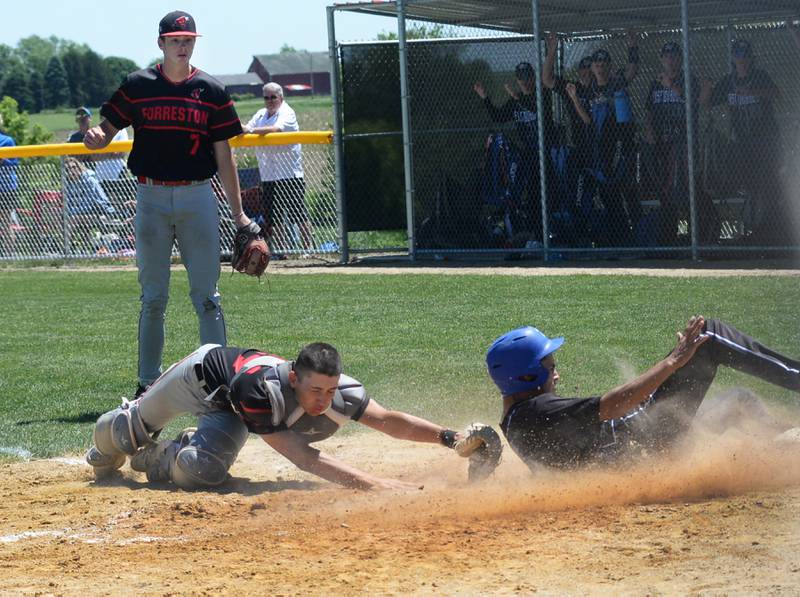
[313, 113]
[68, 341]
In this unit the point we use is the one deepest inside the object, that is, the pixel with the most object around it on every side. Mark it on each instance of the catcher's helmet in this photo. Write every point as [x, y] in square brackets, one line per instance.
[518, 354]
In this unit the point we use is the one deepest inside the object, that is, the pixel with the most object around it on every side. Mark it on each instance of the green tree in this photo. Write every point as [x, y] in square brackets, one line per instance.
[17, 85]
[16, 124]
[7, 56]
[287, 49]
[56, 91]
[72, 59]
[95, 78]
[415, 32]
[35, 52]
[117, 69]
[36, 84]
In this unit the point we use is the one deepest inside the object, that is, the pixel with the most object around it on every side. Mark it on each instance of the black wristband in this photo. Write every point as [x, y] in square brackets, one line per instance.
[448, 438]
[633, 54]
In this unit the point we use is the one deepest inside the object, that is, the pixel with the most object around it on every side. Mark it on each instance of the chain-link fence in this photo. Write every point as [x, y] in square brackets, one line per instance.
[83, 205]
[616, 157]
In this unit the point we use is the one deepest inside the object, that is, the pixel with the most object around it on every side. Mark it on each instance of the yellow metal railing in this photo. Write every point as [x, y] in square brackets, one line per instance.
[55, 149]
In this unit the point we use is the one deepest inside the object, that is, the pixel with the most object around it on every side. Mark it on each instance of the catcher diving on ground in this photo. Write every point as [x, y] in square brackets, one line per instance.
[645, 415]
[290, 404]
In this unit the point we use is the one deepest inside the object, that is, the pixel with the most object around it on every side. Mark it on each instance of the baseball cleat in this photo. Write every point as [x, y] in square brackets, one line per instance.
[155, 460]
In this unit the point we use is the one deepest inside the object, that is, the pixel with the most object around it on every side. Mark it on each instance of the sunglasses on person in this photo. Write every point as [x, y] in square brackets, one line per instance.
[271, 97]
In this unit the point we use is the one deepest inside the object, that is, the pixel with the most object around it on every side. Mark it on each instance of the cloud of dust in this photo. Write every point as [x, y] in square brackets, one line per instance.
[706, 464]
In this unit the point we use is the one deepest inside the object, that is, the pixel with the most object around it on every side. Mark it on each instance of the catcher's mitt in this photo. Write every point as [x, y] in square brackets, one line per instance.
[481, 444]
[250, 254]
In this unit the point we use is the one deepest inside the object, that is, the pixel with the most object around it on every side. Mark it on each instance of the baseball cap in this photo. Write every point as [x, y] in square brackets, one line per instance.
[177, 23]
[586, 62]
[83, 111]
[741, 48]
[524, 71]
[601, 56]
[670, 47]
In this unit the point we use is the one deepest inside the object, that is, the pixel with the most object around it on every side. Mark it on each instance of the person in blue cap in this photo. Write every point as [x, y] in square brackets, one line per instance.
[649, 413]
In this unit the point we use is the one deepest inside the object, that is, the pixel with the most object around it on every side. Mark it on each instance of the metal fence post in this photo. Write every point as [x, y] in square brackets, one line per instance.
[338, 138]
[690, 132]
[537, 44]
[405, 101]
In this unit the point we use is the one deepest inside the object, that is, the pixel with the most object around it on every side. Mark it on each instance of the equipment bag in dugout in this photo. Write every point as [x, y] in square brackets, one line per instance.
[250, 254]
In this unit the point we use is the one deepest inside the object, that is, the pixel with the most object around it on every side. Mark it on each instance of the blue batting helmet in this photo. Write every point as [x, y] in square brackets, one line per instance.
[518, 354]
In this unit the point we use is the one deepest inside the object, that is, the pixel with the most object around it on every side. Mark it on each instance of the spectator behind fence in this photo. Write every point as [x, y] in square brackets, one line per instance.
[281, 170]
[665, 132]
[749, 95]
[612, 147]
[83, 192]
[107, 166]
[83, 117]
[9, 197]
[521, 108]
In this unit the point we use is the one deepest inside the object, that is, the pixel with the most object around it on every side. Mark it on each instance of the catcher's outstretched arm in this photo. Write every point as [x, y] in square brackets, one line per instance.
[401, 425]
[295, 449]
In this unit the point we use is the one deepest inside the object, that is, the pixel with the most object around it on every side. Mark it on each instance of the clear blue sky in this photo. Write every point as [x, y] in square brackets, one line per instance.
[233, 30]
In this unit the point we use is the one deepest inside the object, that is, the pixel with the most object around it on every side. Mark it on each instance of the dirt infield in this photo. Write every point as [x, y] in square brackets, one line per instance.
[723, 517]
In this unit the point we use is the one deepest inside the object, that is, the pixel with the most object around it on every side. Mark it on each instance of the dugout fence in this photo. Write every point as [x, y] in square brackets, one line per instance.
[715, 176]
[63, 201]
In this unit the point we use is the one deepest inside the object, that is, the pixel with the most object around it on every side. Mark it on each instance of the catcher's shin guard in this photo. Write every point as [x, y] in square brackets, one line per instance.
[121, 431]
[205, 458]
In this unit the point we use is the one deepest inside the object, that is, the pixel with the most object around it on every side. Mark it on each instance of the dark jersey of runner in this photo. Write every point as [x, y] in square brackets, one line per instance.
[175, 123]
[667, 107]
[752, 115]
[554, 431]
[523, 112]
[282, 412]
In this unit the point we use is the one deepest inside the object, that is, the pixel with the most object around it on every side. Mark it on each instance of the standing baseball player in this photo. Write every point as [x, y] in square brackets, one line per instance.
[233, 392]
[749, 94]
[665, 133]
[651, 412]
[182, 119]
[281, 170]
[611, 144]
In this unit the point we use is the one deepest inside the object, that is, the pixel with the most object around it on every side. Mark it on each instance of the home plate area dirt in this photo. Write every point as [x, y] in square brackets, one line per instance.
[720, 517]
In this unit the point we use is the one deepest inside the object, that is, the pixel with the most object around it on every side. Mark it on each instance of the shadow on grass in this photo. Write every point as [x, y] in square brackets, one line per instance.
[88, 417]
[234, 485]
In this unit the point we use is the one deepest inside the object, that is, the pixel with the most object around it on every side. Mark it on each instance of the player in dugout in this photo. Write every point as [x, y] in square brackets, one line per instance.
[646, 415]
[290, 404]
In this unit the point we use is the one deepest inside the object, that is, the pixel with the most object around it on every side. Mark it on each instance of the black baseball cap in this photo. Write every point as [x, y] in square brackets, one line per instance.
[586, 62]
[524, 71]
[670, 47]
[741, 48]
[601, 56]
[177, 23]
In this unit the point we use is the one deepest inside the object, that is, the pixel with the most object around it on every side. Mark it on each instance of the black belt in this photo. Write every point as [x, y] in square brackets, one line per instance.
[198, 373]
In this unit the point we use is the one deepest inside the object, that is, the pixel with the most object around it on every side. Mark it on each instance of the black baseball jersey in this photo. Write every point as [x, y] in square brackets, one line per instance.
[667, 107]
[752, 116]
[554, 431]
[281, 411]
[175, 123]
[523, 112]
